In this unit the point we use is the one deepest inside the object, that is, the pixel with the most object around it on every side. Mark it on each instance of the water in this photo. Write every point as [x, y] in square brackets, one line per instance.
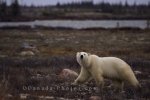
[80, 24]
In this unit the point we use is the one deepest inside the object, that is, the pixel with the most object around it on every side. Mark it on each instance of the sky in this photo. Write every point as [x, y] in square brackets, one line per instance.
[54, 2]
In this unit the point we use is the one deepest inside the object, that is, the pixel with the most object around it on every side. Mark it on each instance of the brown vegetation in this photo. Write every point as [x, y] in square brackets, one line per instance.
[57, 49]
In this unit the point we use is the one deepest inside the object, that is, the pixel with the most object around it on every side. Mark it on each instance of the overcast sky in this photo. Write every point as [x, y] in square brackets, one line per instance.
[53, 2]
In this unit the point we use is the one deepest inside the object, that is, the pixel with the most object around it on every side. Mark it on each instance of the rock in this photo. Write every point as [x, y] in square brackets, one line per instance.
[28, 47]
[95, 98]
[24, 96]
[37, 77]
[40, 34]
[62, 98]
[67, 74]
[3, 55]
[47, 97]
[27, 53]
[9, 96]
[137, 72]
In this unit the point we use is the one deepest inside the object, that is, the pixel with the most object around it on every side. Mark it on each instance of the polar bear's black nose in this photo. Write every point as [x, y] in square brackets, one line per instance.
[81, 56]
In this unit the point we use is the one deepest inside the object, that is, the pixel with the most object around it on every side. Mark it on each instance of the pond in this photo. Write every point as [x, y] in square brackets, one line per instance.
[80, 24]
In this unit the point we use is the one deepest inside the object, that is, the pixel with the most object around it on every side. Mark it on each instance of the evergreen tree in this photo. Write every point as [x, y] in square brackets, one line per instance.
[126, 3]
[149, 4]
[15, 8]
[3, 7]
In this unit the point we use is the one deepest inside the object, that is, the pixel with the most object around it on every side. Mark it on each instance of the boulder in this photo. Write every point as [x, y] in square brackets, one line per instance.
[29, 47]
[27, 53]
[95, 98]
[137, 72]
[67, 74]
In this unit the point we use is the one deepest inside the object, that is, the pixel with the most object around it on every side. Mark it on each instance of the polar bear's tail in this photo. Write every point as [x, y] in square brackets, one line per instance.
[137, 84]
[133, 80]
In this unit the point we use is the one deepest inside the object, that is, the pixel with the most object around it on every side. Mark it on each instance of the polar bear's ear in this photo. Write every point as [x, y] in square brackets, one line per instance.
[89, 54]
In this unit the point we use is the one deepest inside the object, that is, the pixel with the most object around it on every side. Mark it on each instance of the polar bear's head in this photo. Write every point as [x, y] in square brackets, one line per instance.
[83, 58]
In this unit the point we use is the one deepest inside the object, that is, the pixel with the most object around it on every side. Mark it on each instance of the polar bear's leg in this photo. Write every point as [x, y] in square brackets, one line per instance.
[99, 82]
[83, 76]
[118, 88]
[119, 85]
[90, 78]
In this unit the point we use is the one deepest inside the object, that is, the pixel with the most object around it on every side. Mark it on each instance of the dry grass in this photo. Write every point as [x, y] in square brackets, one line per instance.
[57, 49]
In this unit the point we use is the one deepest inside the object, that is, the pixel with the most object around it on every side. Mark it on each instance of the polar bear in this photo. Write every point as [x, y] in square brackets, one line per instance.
[100, 68]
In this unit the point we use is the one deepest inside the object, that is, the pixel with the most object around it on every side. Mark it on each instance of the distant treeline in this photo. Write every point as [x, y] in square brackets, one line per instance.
[106, 7]
[15, 10]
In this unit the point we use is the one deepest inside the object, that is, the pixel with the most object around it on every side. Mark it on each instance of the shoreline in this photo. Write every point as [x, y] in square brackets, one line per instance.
[62, 28]
[70, 18]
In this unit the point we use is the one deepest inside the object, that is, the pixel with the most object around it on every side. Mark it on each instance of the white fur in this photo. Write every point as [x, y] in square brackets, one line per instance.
[104, 67]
